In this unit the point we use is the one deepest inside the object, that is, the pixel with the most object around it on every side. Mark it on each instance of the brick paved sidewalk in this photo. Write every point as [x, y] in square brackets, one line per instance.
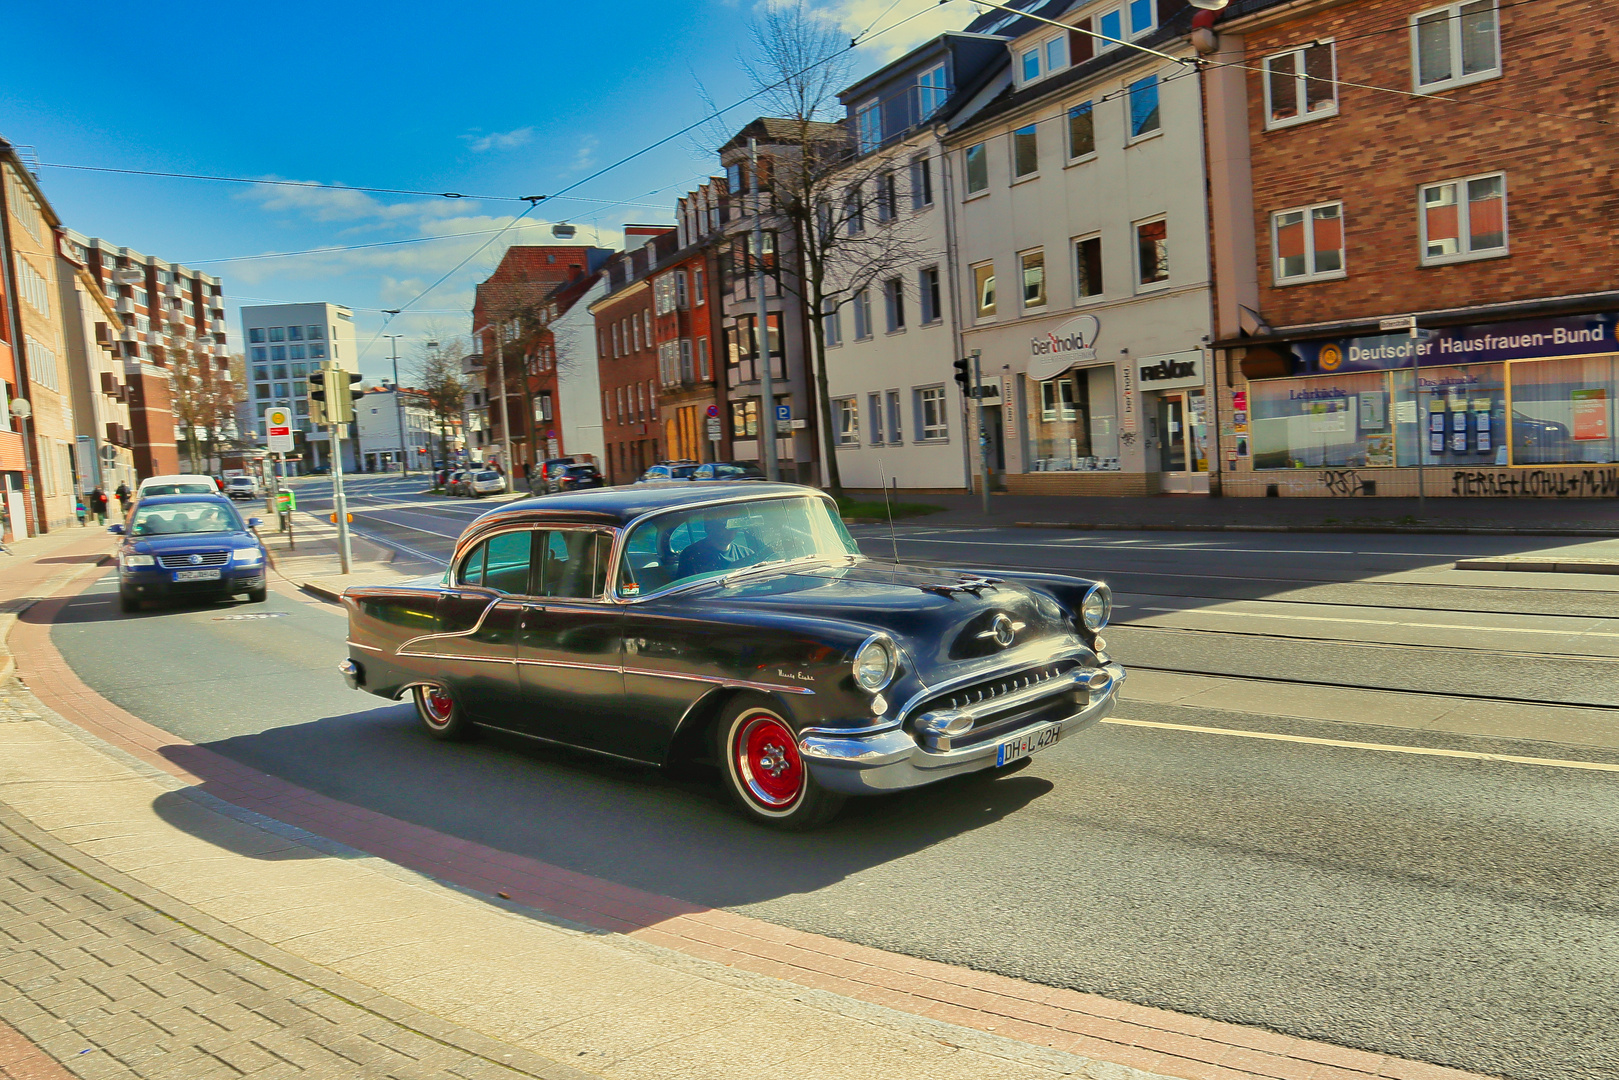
[111, 985]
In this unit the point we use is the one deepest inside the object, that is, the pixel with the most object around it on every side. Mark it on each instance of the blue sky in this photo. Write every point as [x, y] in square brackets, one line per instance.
[495, 99]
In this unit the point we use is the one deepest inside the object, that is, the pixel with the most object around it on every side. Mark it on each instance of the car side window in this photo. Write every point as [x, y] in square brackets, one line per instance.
[471, 572]
[506, 566]
[573, 563]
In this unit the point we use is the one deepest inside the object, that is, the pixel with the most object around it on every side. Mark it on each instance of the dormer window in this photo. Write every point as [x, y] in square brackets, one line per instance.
[1056, 54]
[1031, 65]
[931, 89]
[1111, 26]
[1141, 17]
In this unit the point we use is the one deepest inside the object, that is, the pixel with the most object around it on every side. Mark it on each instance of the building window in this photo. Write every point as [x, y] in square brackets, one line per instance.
[1025, 152]
[874, 409]
[1455, 44]
[862, 314]
[1056, 54]
[1299, 85]
[256, 335]
[278, 333]
[1031, 65]
[1464, 219]
[887, 197]
[1081, 131]
[1111, 25]
[853, 212]
[278, 352]
[295, 333]
[703, 370]
[894, 304]
[869, 126]
[735, 178]
[895, 434]
[1032, 265]
[1141, 17]
[682, 297]
[848, 413]
[700, 288]
[921, 183]
[1144, 118]
[745, 419]
[1152, 252]
[984, 289]
[1088, 267]
[296, 352]
[315, 333]
[831, 323]
[607, 404]
[931, 89]
[932, 420]
[686, 373]
[1308, 242]
[317, 351]
[976, 159]
[927, 287]
[260, 355]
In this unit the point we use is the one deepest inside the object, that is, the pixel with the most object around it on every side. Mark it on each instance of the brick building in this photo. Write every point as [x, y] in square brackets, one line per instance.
[519, 305]
[628, 354]
[687, 330]
[1486, 210]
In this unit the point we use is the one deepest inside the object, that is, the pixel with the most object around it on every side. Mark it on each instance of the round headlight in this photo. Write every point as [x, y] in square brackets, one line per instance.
[1096, 609]
[874, 664]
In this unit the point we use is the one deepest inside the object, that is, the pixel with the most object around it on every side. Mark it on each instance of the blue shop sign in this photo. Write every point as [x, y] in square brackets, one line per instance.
[1530, 339]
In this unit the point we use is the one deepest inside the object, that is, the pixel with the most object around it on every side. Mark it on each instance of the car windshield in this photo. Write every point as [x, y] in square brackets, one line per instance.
[189, 488]
[582, 470]
[488, 476]
[168, 519]
[682, 472]
[689, 545]
[731, 472]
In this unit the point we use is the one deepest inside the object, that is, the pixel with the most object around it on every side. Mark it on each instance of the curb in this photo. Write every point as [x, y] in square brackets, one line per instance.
[322, 590]
[1434, 530]
[1545, 566]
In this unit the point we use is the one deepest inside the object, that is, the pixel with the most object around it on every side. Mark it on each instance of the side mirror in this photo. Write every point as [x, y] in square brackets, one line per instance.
[119, 529]
[253, 523]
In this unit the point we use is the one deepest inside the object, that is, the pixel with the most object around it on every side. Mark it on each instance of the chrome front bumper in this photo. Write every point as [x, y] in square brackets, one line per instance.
[895, 759]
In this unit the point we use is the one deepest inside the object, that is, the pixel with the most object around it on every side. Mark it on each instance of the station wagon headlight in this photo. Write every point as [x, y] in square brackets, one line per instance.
[248, 555]
[874, 664]
[139, 560]
[1097, 608]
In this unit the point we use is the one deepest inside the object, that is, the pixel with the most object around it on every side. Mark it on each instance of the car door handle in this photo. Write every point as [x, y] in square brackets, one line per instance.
[530, 609]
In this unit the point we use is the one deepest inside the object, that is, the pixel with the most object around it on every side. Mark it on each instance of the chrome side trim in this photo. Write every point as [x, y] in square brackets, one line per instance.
[716, 680]
[573, 665]
[399, 650]
[367, 648]
[452, 656]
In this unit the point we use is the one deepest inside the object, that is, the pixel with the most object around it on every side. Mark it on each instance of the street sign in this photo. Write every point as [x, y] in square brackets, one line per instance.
[1397, 322]
[784, 412]
[278, 425]
[285, 502]
[713, 412]
[713, 428]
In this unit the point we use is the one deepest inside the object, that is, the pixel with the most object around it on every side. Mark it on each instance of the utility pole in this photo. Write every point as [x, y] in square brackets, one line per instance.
[767, 388]
[505, 415]
[983, 432]
[399, 406]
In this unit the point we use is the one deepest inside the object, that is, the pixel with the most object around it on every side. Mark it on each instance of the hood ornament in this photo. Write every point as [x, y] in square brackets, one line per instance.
[974, 585]
[194, 560]
[1003, 631]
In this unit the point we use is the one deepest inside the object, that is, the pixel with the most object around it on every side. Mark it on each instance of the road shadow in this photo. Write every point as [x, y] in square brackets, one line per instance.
[93, 606]
[181, 810]
[634, 825]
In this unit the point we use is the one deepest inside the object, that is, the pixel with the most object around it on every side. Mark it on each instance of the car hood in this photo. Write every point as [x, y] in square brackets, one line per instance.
[158, 545]
[943, 620]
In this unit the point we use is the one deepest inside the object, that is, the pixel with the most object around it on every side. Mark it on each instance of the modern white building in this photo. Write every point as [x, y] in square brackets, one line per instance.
[377, 418]
[1082, 243]
[284, 343]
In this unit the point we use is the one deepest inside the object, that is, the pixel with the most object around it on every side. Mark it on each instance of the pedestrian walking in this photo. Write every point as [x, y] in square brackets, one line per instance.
[98, 503]
[79, 509]
[123, 498]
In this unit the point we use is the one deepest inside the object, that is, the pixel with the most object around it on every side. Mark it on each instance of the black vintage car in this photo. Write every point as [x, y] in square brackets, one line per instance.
[740, 625]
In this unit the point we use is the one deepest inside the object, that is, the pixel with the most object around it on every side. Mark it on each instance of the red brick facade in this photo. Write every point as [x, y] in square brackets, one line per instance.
[1561, 195]
[629, 381]
[688, 351]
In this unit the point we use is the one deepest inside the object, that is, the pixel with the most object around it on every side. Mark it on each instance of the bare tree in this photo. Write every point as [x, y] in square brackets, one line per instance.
[437, 372]
[839, 201]
[203, 399]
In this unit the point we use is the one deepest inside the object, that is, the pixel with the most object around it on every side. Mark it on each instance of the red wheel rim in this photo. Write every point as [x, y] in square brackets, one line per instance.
[767, 761]
[437, 705]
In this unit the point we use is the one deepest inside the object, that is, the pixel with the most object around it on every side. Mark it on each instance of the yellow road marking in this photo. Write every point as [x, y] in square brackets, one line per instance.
[1595, 766]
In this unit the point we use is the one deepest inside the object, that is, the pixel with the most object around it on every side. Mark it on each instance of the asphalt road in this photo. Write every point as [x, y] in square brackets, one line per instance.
[1455, 911]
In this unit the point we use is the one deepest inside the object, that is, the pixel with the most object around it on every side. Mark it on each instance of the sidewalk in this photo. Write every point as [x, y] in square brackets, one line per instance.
[1557, 517]
[172, 913]
[310, 560]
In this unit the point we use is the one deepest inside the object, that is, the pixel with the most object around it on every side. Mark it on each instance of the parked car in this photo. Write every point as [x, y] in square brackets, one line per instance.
[741, 627]
[668, 470]
[188, 546]
[578, 478]
[485, 482]
[177, 484]
[453, 485]
[545, 477]
[728, 470]
[244, 487]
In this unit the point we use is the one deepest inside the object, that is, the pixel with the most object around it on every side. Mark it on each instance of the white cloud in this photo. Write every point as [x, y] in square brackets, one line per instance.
[932, 19]
[585, 157]
[498, 140]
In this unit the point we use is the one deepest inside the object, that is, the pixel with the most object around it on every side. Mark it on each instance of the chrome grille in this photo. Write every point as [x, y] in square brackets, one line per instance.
[183, 562]
[989, 690]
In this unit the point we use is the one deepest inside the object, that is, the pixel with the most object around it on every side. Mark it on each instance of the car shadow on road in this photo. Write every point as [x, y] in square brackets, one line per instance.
[633, 825]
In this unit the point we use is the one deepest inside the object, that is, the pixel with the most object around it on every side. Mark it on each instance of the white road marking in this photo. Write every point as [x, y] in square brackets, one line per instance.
[1389, 748]
[1389, 622]
[1075, 543]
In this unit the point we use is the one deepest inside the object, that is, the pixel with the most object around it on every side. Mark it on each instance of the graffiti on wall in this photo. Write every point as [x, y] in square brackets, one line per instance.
[1346, 483]
[1539, 484]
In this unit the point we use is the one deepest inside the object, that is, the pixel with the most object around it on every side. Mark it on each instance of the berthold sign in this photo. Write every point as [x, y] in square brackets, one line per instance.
[1173, 371]
[1074, 342]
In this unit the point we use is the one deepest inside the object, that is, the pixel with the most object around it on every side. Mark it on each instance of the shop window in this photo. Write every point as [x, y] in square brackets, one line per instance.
[1072, 421]
[984, 289]
[1152, 252]
[1464, 219]
[1300, 85]
[1338, 422]
[1081, 131]
[1032, 265]
[1457, 415]
[1455, 45]
[1563, 411]
[1308, 243]
[976, 161]
[1025, 152]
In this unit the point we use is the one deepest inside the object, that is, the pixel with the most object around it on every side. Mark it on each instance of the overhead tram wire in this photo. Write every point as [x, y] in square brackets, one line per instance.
[313, 184]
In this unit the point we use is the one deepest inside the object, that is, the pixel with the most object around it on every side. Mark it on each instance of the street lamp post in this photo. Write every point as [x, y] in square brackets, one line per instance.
[399, 406]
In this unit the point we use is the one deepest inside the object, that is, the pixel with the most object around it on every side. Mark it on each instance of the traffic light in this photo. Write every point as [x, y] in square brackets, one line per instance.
[964, 374]
[317, 396]
[354, 393]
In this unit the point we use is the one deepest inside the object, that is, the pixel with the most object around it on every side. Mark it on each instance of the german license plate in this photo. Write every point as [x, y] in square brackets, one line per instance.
[1029, 743]
[197, 575]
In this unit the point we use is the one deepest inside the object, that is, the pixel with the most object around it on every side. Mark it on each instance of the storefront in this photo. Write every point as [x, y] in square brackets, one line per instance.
[1514, 409]
[1099, 404]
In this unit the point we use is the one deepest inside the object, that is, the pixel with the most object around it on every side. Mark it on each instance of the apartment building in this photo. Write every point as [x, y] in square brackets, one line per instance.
[93, 333]
[285, 342]
[628, 376]
[377, 428]
[686, 328]
[1435, 310]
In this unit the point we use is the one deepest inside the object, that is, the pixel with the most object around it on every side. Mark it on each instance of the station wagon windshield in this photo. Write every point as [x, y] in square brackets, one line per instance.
[169, 519]
[683, 546]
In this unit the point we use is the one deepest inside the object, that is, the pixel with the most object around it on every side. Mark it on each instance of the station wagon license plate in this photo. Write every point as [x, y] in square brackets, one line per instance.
[1031, 743]
[197, 575]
